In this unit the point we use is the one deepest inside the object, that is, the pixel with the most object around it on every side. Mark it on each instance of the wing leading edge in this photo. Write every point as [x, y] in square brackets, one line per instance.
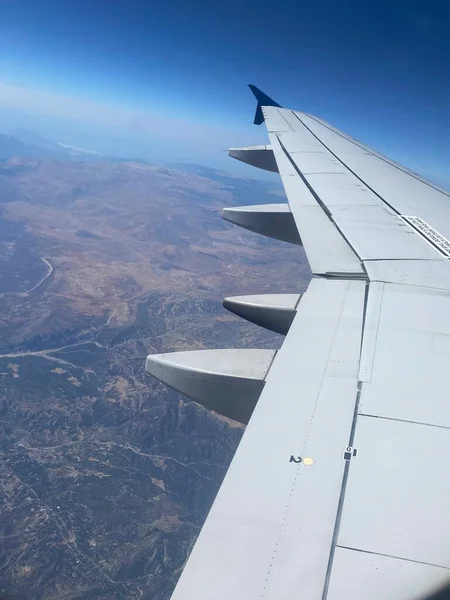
[339, 488]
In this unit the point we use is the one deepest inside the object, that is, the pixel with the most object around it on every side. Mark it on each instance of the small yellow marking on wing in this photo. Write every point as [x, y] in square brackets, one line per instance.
[308, 461]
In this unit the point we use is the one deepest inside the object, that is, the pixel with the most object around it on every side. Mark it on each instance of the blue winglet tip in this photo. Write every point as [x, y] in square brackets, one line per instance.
[263, 100]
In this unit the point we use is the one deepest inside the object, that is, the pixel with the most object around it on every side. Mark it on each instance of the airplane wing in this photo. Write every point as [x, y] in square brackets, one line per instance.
[340, 487]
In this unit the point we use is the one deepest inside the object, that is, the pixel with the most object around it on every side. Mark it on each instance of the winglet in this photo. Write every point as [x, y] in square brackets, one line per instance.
[263, 100]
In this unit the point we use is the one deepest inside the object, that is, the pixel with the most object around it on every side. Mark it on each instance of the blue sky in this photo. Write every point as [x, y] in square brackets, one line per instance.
[167, 79]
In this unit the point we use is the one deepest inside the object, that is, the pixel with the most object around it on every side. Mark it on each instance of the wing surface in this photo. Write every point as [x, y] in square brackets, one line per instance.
[383, 211]
[340, 487]
[271, 526]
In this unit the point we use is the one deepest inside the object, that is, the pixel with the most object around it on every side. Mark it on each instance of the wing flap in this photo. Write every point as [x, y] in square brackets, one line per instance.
[326, 248]
[410, 376]
[359, 575]
[270, 528]
[394, 525]
[386, 510]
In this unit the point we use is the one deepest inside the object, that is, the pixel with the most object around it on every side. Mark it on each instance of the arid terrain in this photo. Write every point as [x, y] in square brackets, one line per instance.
[105, 475]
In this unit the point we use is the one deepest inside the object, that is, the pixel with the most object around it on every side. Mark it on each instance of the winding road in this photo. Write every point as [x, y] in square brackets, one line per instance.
[40, 282]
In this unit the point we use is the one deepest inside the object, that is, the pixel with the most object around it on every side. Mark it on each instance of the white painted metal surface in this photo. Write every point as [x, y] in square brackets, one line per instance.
[376, 232]
[282, 301]
[408, 193]
[318, 162]
[410, 378]
[371, 325]
[397, 493]
[340, 487]
[273, 220]
[431, 235]
[278, 123]
[368, 224]
[362, 576]
[433, 274]
[227, 381]
[269, 532]
[272, 311]
[404, 366]
[295, 143]
[326, 248]
[257, 156]
[341, 189]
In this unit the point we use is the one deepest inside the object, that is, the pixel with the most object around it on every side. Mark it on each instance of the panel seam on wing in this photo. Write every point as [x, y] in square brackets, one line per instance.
[374, 154]
[298, 467]
[419, 562]
[319, 201]
[340, 506]
[346, 166]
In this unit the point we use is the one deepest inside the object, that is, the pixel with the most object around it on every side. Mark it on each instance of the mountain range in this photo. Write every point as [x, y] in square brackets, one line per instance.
[106, 476]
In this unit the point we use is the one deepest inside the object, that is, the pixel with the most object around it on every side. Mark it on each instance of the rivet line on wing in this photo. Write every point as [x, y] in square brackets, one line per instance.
[299, 466]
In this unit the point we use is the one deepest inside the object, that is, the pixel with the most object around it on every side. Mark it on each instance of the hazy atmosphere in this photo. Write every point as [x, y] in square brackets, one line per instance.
[115, 121]
[166, 81]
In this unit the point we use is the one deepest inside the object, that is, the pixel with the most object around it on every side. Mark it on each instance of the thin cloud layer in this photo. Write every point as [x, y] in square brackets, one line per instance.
[119, 119]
